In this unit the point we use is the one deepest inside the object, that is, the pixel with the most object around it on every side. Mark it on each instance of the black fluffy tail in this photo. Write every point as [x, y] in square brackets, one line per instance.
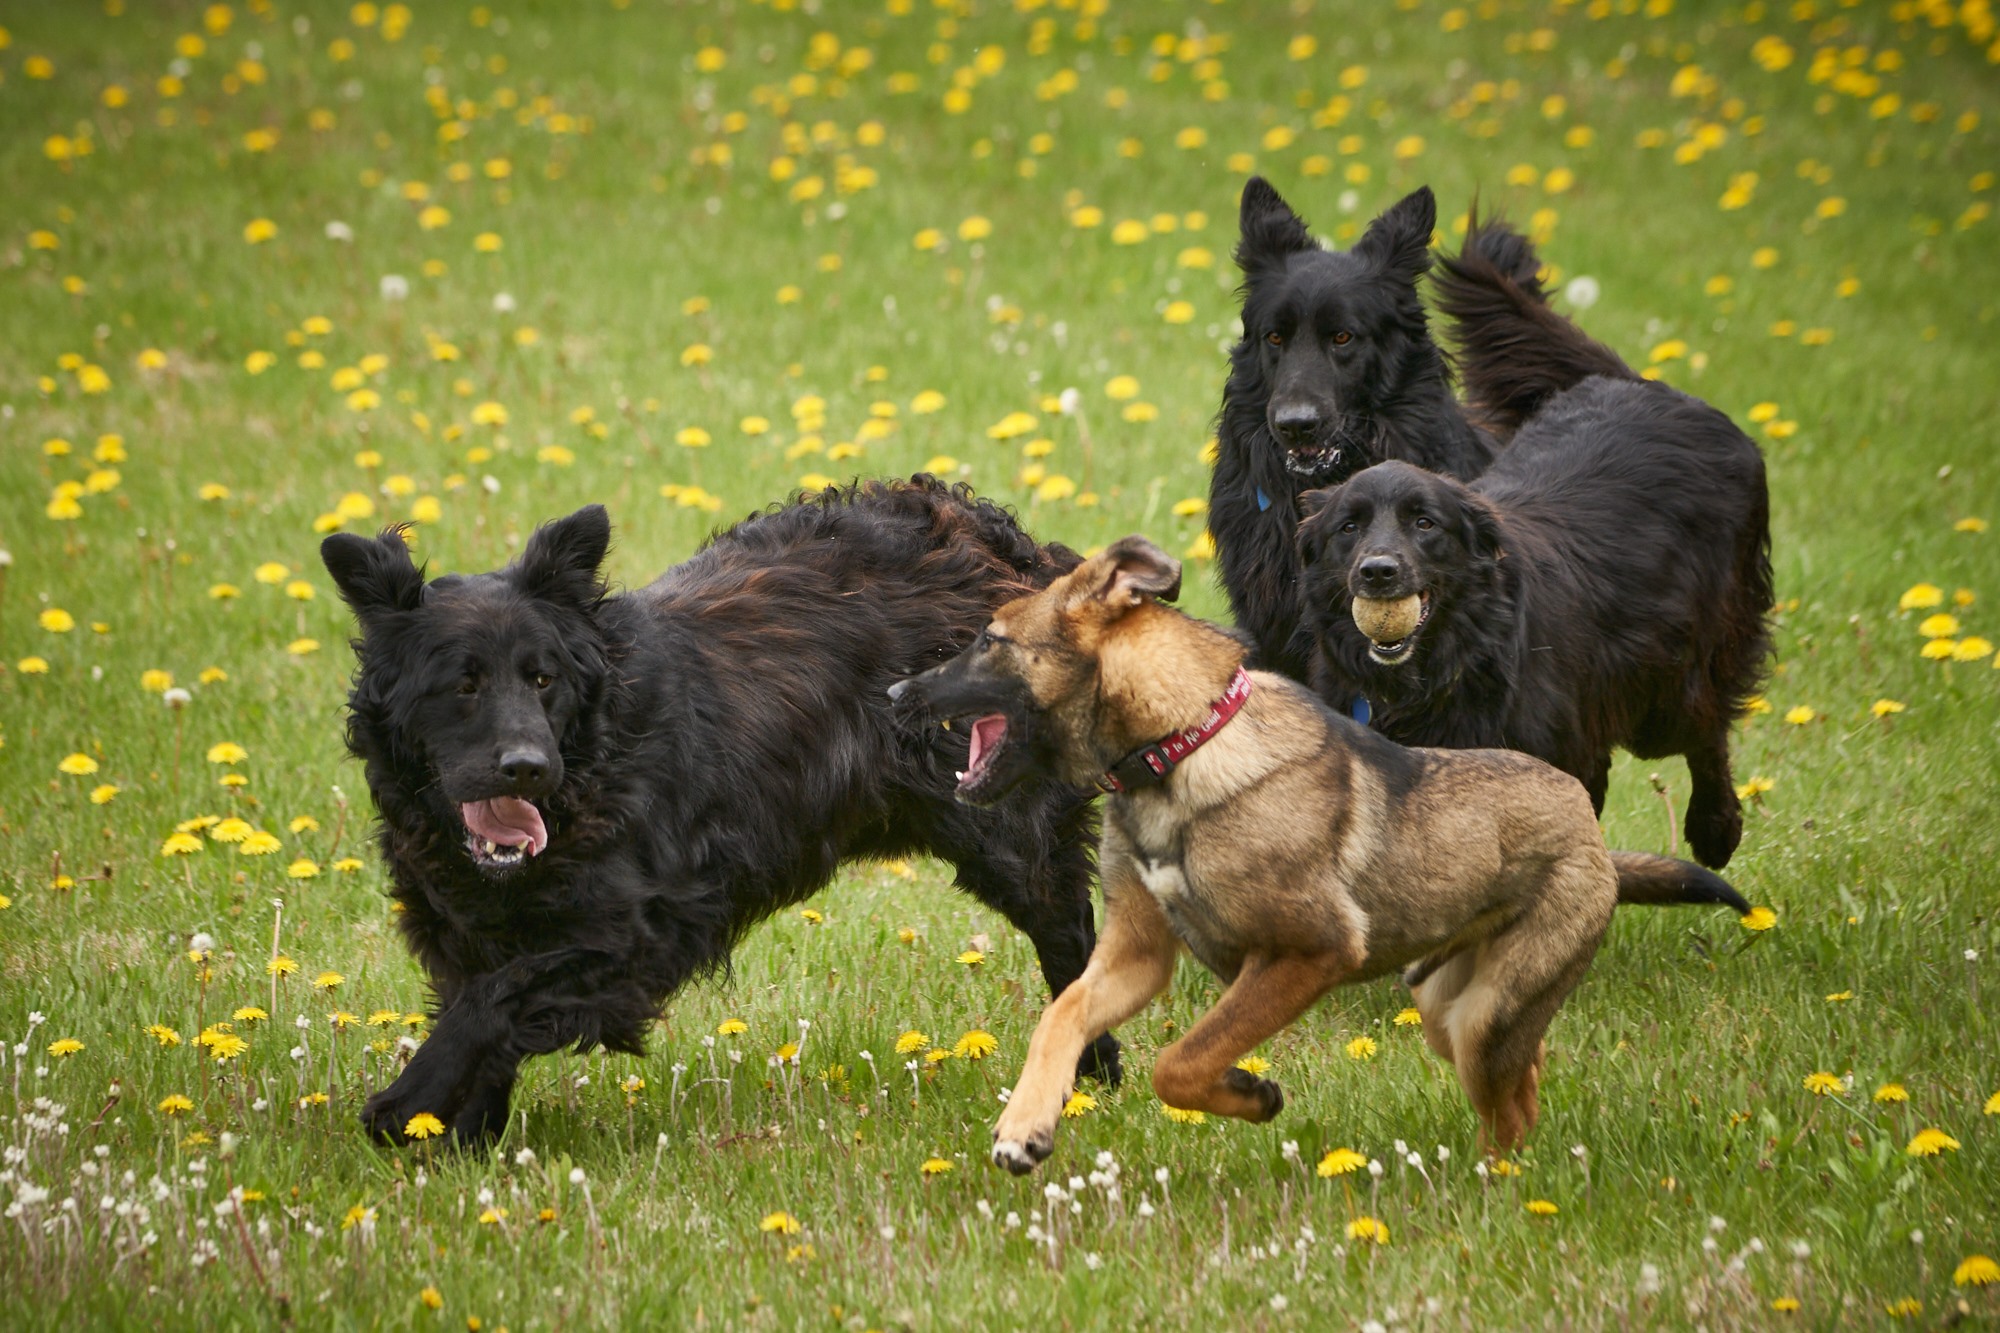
[1661, 881]
[1514, 350]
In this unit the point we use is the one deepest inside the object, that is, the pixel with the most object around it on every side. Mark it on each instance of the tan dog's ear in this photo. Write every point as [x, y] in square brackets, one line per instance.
[1136, 570]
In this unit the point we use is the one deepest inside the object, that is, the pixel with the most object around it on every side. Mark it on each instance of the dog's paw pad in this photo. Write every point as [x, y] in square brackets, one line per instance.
[1013, 1155]
[1268, 1097]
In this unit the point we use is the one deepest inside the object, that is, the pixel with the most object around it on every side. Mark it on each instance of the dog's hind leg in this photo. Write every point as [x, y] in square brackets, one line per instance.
[1519, 979]
[1199, 1073]
[1435, 995]
[1714, 814]
[1133, 962]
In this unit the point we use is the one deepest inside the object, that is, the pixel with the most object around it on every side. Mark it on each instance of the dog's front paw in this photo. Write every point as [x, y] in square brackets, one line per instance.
[1022, 1156]
[1713, 833]
[1266, 1097]
[388, 1115]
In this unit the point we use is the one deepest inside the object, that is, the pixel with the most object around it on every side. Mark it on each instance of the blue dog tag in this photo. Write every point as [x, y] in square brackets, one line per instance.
[1263, 500]
[1359, 710]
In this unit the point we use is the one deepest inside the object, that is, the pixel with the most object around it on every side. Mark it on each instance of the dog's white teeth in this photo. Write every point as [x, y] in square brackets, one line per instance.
[491, 847]
[960, 775]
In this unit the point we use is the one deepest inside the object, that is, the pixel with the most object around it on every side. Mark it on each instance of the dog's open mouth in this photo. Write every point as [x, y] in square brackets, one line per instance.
[503, 831]
[1313, 460]
[1392, 625]
[989, 738]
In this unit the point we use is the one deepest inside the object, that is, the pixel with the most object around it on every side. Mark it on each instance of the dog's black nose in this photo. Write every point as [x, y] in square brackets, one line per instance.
[1376, 572]
[524, 770]
[1295, 423]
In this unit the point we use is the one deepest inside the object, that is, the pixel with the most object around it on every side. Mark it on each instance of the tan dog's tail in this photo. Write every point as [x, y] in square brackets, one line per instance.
[1661, 881]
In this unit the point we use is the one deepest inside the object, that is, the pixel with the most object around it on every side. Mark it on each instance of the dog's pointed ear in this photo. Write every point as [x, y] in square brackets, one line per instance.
[1400, 240]
[1269, 229]
[374, 574]
[1135, 571]
[561, 560]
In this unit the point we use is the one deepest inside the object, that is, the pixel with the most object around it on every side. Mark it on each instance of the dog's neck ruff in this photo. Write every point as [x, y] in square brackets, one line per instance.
[1151, 765]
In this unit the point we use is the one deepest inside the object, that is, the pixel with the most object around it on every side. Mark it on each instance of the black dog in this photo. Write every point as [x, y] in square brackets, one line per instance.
[586, 799]
[1336, 370]
[1606, 582]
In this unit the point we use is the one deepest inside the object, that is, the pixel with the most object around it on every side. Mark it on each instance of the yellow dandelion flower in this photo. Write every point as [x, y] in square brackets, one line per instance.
[1931, 1142]
[975, 1045]
[1361, 1048]
[1891, 1092]
[103, 794]
[972, 958]
[1940, 626]
[1921, 597]
[935, 1166]
[1542, 1208]
[780, 1223]
[1080, 1103]
[423, 1125]
[432, 1298]
[1800, 714]
[281, 966]
[175, 1104]
[1785, 1305]
[1885, 707]
[167, 1037]
[1977, 1270]
[911, 1042]
[328, 981]
[1340, 1162]
[1368, 1229]
[56, 620]
[67, 1046]
[1182, 1117]
[1822, 1084]
[250, 1013]
[77, 765]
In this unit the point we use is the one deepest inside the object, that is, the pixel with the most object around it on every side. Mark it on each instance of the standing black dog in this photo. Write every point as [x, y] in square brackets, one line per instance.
[1605, 583]
[1336, 370]
[586, 799]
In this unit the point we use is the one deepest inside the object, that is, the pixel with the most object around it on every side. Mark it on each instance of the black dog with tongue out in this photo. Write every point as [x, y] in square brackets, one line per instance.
[587, 799]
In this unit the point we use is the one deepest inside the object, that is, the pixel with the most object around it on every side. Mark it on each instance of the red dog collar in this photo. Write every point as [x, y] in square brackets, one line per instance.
[1151, 765]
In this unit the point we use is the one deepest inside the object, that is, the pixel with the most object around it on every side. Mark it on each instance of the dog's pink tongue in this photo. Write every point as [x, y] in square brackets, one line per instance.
[508, 821]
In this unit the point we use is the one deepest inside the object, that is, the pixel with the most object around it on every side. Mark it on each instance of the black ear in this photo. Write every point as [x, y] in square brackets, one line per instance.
[561, 559]
[1312, 502]
[1483, 534]
[1400, 239]
[1270, 230]
[374, 574]
[1137, 570]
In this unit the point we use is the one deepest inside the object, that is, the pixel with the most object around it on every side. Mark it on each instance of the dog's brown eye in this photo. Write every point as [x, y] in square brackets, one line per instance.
[1275, 339]
[543, 680]
[1342, 338]
[468, 686]
[1350, 527]
[1424, 524]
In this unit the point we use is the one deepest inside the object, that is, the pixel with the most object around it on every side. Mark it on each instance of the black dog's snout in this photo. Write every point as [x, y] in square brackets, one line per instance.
[525, 770]
[1377, 572]
[1295, 423]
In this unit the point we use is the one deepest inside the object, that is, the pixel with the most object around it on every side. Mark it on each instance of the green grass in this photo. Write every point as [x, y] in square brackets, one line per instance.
[1679, 1066]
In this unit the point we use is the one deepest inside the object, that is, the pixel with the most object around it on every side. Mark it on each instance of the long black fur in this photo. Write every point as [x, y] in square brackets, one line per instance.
[1383, 393]
[1605, 583]
[725, 742]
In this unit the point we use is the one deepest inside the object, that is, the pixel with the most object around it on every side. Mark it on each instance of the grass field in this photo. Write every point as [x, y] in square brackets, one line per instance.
[271, 269]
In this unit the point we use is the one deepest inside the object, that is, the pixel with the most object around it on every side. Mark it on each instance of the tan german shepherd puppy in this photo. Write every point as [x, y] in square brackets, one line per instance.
[1290, 849]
